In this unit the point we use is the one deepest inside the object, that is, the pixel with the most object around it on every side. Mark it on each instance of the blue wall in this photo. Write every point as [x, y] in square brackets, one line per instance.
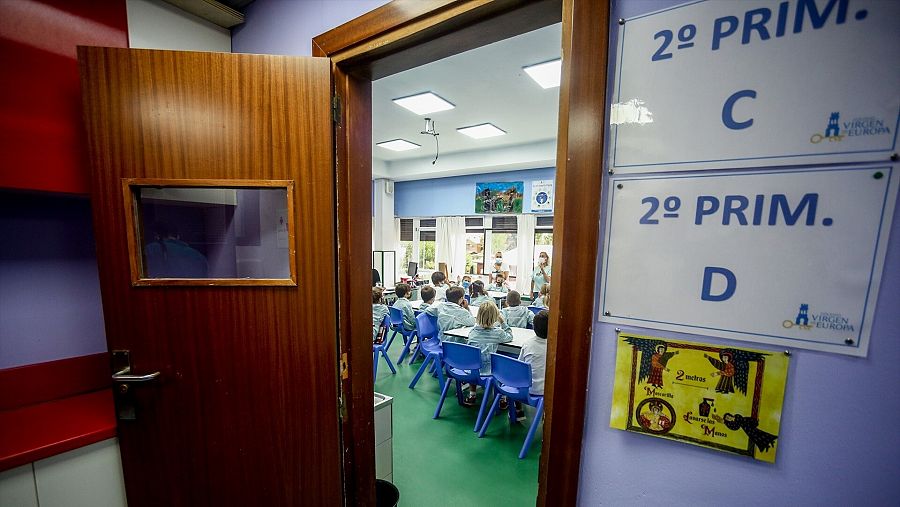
[455, 196]
[835, 447]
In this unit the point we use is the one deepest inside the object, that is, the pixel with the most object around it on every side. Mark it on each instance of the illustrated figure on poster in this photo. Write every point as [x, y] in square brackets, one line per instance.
[733, 369]
[654, 359]
[761, 439]
[654, 419]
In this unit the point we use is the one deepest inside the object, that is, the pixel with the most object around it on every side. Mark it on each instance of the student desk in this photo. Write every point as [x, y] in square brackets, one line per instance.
[520, 336]
[497, 295]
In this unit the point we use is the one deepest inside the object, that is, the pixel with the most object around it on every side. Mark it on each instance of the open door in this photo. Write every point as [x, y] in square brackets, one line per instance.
[214, 208]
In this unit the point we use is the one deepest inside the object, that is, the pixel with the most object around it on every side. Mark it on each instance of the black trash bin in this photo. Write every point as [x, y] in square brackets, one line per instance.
[386, 494]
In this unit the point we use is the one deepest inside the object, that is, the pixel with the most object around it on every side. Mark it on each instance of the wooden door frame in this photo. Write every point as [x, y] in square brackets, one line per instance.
[408, 33]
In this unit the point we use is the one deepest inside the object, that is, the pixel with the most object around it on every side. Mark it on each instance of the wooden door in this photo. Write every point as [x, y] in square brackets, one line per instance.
[245, 411]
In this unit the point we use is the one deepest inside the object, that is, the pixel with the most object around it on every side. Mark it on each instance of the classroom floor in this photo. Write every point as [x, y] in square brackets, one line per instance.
[440, 462]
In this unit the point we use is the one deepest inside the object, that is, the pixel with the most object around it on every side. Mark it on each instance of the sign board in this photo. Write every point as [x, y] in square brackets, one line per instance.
[787, 257]
[722, 84]
[724, 398]
[542, 195]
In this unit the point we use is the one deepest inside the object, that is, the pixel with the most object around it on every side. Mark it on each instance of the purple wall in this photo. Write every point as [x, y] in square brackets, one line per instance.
[286, 27]
[837, 445]
[49, 288]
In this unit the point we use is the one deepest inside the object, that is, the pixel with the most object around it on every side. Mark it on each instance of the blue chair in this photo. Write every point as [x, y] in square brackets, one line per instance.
[396, 316]
[382, 348]
[536, 309]
[512, 378]
[468, 298]
[462, 363]
[429, 346]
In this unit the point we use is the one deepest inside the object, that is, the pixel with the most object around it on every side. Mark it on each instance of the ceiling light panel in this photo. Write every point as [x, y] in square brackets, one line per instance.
[482, 131]
[424, 103]
[545, 74]
[398, 145]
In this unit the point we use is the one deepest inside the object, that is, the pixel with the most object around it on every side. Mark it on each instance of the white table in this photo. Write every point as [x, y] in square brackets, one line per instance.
[520, 336]
[497, 294]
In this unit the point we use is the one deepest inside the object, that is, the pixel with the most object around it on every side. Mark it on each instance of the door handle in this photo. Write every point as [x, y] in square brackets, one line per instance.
[125, 375]
[121, 360]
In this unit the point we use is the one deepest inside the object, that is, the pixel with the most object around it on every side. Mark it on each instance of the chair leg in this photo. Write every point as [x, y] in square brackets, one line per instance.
[388, 360]
[439, 364]
[419, 373]
[490, 415]
[437, 411]
[374, 365]
[537, 419]
[415, 354]
[484, 402]
[406, 345]
[391, 339]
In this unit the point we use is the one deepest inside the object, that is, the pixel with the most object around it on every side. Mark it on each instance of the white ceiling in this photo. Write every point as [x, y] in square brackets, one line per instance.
[487, 85]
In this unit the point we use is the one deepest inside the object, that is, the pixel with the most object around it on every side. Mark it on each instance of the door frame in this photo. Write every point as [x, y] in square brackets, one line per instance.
[408, 33]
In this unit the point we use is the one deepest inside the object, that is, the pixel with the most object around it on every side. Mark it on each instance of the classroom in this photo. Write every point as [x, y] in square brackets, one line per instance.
[621, 252]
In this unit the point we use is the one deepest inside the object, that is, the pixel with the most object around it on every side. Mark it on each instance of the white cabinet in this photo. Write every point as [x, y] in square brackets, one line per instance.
[90, 476]
[384, 451]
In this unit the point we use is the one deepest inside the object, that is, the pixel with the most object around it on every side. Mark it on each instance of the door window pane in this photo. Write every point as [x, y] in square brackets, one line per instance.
[213, 232]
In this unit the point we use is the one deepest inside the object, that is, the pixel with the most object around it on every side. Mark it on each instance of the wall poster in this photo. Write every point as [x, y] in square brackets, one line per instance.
[542, 195]
[504, 197]
[724, 398]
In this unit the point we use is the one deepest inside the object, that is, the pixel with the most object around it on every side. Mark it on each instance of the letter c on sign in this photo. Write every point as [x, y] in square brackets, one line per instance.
[727, 110]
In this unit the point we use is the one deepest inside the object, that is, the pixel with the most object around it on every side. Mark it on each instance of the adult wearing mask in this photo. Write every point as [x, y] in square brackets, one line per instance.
[541, 274]
[500, 267]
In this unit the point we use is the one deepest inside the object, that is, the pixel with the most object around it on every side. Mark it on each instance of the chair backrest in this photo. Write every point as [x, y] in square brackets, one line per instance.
[426, 326]
[461, 356]
[511, 372]
[396, 315]
[535, 309]
[468, 298]
[379, 337]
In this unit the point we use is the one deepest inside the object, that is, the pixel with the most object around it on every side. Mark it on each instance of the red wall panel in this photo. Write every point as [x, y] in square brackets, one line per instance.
[41, 134]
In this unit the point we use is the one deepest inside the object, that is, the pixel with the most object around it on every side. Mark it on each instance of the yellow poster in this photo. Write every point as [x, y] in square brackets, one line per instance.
[724, 398]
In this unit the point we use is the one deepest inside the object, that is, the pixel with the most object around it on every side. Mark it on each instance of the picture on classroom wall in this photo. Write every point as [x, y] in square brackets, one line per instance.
[725, 398]
[501, 197]
[542, 195]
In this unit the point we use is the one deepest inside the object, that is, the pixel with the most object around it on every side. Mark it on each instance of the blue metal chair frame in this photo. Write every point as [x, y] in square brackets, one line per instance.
[512, 378]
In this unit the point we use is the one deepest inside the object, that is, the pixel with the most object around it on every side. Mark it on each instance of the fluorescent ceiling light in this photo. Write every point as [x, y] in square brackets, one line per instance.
[398, 145]
[545, 74]
[481, 131]
[424, 103]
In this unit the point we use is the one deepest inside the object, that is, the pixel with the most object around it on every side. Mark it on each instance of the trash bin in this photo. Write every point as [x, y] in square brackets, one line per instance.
[386, 494]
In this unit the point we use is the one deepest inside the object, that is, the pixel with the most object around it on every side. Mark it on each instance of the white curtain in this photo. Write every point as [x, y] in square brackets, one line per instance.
[450, 246]
[525, 246]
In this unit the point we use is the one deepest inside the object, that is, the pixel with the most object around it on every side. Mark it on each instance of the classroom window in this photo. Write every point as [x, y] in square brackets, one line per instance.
[426, 249]
[474, 251]
[543, 238]
[407, 236]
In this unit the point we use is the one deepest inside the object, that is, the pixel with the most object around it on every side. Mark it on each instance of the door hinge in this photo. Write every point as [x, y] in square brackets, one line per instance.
[336, 109]
[345, 370]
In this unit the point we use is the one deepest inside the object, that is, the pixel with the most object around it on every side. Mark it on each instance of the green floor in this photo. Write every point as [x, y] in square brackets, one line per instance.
[442, 461]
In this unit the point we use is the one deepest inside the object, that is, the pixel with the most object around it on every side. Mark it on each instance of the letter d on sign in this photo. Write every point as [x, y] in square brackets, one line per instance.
[730, 284]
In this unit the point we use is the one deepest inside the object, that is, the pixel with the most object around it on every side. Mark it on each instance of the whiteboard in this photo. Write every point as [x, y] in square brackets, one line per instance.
[777, 256]
[725, 84]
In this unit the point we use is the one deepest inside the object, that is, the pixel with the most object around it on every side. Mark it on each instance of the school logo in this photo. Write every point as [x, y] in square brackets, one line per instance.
[837, 130]
[823, 320]
[832, 130]
[542, 198]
